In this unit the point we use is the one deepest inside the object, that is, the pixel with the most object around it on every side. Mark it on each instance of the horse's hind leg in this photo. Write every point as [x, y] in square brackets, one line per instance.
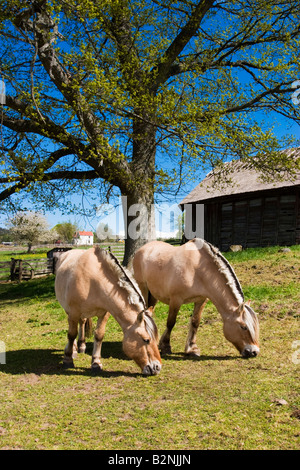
[69, 349]
[191, 346]
[85, 325]
[148, 297]
[152, 301]
[164, 343]
[99, 334]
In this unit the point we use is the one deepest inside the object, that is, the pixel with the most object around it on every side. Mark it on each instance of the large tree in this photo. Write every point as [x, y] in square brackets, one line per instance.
[138, 94]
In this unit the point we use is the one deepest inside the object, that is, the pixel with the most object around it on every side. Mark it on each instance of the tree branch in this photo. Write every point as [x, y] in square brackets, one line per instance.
[55, 175]
[161, 72]
[46, 128]
[258, 98]
[108, 162]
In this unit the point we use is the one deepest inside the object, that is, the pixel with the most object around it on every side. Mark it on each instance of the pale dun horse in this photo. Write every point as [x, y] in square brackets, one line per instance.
[193, 273]
[92, 283]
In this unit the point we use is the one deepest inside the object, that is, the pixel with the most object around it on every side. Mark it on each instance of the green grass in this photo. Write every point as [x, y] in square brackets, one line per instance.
[21, 253]
[269, 252]
[219, 401]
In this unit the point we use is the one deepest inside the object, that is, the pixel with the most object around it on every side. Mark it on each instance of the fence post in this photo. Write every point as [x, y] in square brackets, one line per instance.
[54, 261]
[20, 269]
[12, 268]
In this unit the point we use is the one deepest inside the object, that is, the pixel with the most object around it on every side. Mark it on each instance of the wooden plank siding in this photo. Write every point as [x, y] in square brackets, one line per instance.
[249, 210]
[258, 219]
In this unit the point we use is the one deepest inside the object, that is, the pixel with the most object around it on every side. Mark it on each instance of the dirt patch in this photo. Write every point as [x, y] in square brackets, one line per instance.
[30, 379]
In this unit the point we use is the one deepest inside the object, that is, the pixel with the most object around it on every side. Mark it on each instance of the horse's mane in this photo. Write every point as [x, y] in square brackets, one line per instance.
[129, 284]
[124, 276]
[224, 267]
[251, 321]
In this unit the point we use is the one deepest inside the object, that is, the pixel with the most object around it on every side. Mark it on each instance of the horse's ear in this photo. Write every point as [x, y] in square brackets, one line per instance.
[150, 311]
[140, 317]
[242, 306]
[240, 309]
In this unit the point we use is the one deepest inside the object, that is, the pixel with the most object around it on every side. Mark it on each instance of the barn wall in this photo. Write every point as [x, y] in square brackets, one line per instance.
[260, 219]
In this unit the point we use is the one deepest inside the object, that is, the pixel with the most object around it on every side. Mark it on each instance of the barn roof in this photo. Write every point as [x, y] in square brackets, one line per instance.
[243, 180]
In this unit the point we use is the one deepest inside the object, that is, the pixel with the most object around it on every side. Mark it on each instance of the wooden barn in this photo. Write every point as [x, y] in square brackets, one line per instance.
[247, 212]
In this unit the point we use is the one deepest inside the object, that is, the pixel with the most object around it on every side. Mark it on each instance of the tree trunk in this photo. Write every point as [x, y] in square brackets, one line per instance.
[138, 206]
[139, 222]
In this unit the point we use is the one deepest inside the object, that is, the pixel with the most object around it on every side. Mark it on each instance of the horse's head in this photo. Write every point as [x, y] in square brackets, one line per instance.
[242, 330]
[140, 344]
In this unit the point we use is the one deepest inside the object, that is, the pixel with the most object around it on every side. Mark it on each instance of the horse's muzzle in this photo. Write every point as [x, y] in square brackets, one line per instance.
[250, 351]
[152, 369]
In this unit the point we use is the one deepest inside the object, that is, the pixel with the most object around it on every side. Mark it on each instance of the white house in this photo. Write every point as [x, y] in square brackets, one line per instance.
[83, 238]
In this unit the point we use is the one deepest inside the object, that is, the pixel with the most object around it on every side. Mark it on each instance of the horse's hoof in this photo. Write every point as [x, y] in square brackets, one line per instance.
[193, 352]
[164, 350]
[96, 368]
[68, 365]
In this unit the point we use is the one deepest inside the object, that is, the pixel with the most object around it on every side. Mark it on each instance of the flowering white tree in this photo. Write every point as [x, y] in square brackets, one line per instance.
[31, 227]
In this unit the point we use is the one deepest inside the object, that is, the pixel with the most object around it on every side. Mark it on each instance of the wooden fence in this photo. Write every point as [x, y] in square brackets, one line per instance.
[25, 269]
[116, 248]
[5, 269]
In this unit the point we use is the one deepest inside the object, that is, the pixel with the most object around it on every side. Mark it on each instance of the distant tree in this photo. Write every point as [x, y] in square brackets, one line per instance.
[31, 227]
[5, 235]
[65, 231]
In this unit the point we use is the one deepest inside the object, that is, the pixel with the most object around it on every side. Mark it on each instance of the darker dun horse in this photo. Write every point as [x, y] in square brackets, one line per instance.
[195, 272]
[92, 283]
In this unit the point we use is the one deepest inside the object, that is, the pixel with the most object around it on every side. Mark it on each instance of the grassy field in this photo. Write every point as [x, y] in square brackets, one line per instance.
[218, 401]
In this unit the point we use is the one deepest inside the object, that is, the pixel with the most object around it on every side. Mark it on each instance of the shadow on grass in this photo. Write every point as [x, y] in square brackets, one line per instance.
[49, 362]
[27, 290]
[187, 357]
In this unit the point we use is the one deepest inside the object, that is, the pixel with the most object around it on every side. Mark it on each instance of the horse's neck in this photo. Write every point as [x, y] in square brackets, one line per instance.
[124, 313]
[225, 302]
[222, 293]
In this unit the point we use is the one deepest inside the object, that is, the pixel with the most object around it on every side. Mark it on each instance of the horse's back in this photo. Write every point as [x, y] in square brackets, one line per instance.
[66, 265]
[71, 277]
[67, 258]
[152, 256]
[166, 270]
[163, 256]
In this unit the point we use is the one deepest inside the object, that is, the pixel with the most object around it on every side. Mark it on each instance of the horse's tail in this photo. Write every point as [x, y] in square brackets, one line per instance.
[88, 327]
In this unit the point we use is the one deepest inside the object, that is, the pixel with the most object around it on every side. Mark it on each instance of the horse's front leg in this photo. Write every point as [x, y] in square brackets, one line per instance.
[99, 334]
[164, 343]
[69, 349]
[191, 346]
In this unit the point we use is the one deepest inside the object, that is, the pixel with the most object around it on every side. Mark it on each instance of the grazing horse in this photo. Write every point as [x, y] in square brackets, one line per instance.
[92, 283]
[195, 272]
